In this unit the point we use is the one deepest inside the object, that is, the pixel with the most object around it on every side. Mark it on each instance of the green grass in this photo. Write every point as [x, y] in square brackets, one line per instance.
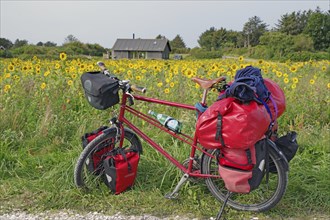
[40, 142]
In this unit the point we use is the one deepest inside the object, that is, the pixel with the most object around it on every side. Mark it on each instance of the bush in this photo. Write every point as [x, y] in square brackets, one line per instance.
[5, 54]
[305, 56]
[199, 53]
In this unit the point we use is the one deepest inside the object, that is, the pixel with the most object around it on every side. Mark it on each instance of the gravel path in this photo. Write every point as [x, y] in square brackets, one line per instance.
[71, 215]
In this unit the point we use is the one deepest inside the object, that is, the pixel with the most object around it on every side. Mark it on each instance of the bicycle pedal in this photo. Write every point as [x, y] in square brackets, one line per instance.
[171, 195]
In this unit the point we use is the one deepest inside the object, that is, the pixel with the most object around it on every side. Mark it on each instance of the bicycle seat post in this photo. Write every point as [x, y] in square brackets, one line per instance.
[207, 85]
[204, 96]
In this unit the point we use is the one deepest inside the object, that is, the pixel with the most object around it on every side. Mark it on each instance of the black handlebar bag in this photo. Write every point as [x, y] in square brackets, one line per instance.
[100, 90]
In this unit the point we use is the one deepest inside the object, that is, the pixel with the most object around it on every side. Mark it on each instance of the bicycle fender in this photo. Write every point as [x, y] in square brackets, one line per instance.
[109, 130]
[279, 154]
[126, 130]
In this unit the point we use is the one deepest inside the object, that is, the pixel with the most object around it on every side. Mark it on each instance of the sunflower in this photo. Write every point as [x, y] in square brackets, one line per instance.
[295, 80]
[241, 58]
[286, 80]
[328, 85]
[16, 77]
[7, 88]
[46, 73]
[167, 90]
[234, 67]
[11, 68]
[7, 75]
[293, 69]
[43, 85]
[312, 81]
[279, 74]
[63, 56]
[138, 77]
[160, 84]
[189, 73]
[70, 82]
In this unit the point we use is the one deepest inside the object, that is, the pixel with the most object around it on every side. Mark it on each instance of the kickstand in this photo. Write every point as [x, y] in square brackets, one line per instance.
[174, 194]
[223, 205]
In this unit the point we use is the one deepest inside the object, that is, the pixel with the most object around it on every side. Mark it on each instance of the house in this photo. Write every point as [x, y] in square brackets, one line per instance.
[141, 49]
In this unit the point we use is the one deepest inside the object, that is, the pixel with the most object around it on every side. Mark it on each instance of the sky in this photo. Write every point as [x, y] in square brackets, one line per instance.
[105, 21]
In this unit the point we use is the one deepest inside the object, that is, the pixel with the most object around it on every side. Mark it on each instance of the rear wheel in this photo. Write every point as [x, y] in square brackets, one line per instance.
[83, 177]
[265, 197]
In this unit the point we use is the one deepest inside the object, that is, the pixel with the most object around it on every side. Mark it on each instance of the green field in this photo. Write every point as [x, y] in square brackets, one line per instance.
[44, 114]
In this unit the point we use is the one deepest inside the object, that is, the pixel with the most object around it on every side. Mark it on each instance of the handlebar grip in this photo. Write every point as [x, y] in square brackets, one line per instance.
[138, 88]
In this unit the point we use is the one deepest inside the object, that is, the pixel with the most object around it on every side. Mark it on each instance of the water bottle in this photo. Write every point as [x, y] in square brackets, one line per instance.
[167, 121]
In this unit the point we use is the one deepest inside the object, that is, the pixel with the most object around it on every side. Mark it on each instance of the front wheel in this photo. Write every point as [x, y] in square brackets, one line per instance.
[83, 177]
[265, 197]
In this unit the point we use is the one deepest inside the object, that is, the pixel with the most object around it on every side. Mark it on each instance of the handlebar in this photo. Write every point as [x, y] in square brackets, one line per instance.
[138, 88]
[123, 84]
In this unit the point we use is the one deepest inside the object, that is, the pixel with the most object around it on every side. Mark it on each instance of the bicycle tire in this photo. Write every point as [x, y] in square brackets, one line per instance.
[269, 196]
[83, 178]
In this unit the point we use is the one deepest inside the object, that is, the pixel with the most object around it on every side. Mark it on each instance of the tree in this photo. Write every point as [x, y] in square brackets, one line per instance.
[318, 28]
[302, 42]
[40, 44]
[206, 38]
[70, 38]
[234, 39]
[20, 43]
[213, 39]
[6, 43]
[293, 23]
[253, 29]
[159, 36]
[219, 38]
[178, 43]
[277, 44]
[50, 44]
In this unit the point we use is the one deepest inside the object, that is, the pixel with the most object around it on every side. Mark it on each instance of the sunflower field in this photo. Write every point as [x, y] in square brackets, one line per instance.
[44, 113]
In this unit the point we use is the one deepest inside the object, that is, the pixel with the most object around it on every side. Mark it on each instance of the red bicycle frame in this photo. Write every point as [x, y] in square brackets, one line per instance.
[192, 141]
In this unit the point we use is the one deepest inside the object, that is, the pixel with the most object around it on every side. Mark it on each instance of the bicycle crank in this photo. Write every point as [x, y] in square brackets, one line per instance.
[174, 194]
[196, 167]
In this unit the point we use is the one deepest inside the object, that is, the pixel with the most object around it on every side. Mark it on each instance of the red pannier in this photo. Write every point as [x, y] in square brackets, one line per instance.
[120, 168]
[243, 169]
[95, 158]
[231, 123]
[278, 97]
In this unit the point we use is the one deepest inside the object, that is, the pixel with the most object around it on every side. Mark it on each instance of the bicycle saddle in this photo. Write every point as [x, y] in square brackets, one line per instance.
[207, 84]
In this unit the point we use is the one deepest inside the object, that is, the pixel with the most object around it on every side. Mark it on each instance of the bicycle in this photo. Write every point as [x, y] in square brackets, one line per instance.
[124, 133]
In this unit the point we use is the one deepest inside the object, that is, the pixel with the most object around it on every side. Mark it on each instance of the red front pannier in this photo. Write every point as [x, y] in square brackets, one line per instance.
[94, 163]
[120, 169]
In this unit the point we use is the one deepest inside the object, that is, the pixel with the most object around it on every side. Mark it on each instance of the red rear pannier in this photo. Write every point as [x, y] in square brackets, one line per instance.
[243, 169]
[231, 123]
[277, 95]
